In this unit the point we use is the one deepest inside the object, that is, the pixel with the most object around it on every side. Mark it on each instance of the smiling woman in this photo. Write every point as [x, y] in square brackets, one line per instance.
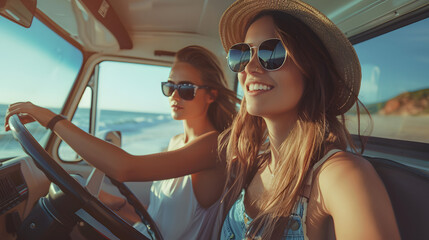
[293, 170]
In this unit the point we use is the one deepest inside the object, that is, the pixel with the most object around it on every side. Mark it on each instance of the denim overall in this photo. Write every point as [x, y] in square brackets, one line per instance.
[237, 221]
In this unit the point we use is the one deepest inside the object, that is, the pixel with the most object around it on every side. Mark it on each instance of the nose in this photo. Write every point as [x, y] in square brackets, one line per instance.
[253, 66]
[175, 95]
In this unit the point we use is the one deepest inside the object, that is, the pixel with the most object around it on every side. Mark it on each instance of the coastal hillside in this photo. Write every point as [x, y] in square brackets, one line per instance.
[408, 103]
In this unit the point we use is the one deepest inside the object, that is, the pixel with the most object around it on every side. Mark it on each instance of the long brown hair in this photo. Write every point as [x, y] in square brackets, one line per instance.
[222, 111]
[319, 128]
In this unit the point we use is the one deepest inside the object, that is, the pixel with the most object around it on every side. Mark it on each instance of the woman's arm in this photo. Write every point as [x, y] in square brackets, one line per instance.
[356, 199]
[198, 155]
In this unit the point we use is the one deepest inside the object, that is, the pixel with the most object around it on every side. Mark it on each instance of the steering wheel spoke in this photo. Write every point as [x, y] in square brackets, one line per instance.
[94, 182]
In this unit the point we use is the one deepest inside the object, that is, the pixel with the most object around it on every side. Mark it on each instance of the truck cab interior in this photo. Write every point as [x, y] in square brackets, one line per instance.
[100, 63]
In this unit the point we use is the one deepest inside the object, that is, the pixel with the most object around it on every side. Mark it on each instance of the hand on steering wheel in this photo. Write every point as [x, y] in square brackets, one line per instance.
[88, 203]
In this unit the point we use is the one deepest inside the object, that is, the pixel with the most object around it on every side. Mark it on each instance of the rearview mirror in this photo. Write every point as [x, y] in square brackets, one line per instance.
[18, 11]
[114, 137]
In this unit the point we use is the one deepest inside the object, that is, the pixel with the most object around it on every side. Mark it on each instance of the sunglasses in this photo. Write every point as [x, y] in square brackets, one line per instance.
[186, 91]
[271, 55]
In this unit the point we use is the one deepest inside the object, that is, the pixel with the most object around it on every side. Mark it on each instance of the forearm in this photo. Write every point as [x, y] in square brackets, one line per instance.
[198, 155]
[107, 157]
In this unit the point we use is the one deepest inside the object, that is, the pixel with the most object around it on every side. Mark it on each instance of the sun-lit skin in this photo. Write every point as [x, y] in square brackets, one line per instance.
[193, 112]
[273, 95]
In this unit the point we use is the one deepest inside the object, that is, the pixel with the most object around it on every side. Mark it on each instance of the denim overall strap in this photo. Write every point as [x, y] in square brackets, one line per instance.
[308, 186]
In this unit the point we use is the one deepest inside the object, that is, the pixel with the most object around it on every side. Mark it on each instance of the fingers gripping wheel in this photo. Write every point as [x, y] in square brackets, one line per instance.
[90, 204]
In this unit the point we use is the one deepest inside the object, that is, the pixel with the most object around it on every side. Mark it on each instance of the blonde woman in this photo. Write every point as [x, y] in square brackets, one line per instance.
[290, 175]
[184, 201]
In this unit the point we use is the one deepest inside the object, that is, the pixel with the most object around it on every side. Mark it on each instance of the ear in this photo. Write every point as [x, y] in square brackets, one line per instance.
[213, 95]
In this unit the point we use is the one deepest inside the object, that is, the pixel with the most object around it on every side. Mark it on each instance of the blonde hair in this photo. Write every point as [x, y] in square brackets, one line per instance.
[223, 110]
[317, 130]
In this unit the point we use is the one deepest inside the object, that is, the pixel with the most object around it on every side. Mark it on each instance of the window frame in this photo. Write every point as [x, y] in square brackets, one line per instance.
[89, 76]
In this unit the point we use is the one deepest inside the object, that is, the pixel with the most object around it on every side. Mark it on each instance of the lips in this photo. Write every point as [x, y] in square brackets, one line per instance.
[176, 107]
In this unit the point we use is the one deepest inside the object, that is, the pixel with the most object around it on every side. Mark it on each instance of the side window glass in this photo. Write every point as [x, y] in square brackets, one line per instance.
[80, 119]
[395, 83]
[130, 101]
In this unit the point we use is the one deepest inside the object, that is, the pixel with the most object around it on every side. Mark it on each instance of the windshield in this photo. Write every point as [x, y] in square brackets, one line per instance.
[36, 65]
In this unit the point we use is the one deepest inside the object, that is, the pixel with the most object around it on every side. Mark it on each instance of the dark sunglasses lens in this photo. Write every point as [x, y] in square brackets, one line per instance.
[238, 57]
[186, 92]
[167, 89]
[272, 54]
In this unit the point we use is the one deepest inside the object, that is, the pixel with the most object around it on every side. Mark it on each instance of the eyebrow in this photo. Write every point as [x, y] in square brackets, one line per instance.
[181, 82]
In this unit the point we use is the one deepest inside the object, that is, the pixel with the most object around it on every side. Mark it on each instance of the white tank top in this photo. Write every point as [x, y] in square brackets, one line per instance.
[178, 214]
[176, 211]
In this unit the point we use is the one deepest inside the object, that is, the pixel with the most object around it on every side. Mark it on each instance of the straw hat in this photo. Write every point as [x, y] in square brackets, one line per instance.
[237, 16]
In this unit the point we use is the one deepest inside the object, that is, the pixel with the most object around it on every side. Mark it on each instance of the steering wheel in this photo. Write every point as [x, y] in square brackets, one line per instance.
[90, 206]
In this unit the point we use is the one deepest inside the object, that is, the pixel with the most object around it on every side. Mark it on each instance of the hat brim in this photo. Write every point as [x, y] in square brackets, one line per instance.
[237, 16]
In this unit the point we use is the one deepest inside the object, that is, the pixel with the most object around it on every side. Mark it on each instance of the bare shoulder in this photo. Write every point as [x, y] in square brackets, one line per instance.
[206, 138]
[346, 175]
[354, 195]
[344, 164]
[176, 142]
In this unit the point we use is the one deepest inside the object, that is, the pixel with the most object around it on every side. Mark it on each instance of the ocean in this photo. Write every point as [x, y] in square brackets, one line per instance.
[142, 133]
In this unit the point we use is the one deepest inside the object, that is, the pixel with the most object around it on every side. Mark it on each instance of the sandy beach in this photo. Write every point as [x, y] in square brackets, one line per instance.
[410, 128]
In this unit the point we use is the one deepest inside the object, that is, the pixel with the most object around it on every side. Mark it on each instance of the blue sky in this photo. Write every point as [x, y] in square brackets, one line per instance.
[45, 77]
[391, 64]
[395, 62]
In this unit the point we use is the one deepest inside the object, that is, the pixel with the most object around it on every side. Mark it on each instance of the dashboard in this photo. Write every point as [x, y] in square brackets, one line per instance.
[13, 188]
[21, 185]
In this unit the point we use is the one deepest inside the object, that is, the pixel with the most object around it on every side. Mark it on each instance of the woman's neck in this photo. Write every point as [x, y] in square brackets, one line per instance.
[279, 128]
[196, 127]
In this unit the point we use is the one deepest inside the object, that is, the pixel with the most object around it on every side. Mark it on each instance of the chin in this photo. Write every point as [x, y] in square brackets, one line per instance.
[255, 112]
[176, 116]
[258, 111]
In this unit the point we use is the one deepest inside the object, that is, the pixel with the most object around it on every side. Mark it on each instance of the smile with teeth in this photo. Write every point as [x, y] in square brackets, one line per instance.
[258, 87]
